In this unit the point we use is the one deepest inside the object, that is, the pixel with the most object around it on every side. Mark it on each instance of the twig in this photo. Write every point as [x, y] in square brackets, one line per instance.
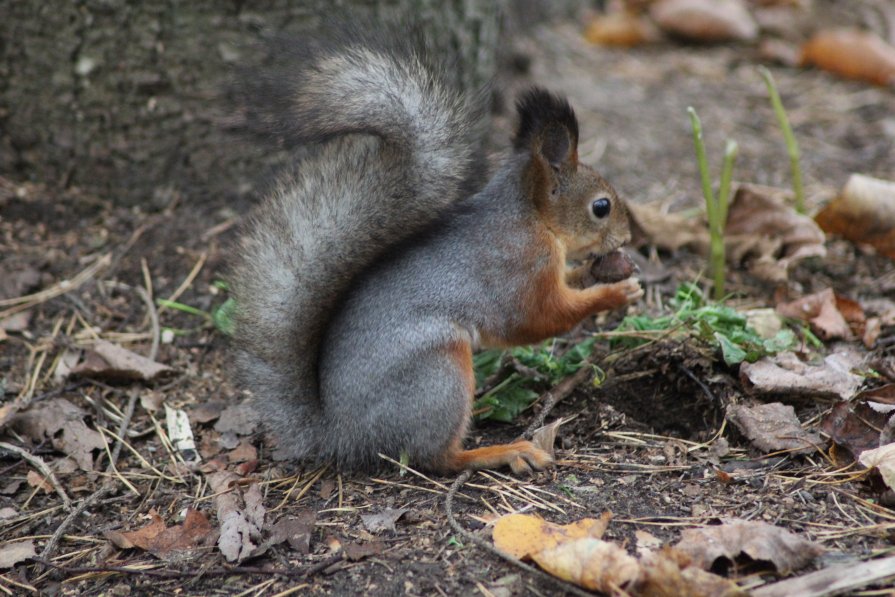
[38, 463]
[834, 580]
[26, 302]
[187, 282]
[557, 393]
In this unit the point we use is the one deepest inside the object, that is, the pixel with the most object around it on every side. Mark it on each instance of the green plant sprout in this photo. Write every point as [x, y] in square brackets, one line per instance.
[792, 146]
[508, 398]
[719, 326]
[221, 317]
[715, 207]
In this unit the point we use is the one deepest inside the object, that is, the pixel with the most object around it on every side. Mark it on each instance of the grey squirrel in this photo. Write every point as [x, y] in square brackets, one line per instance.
[366, 280]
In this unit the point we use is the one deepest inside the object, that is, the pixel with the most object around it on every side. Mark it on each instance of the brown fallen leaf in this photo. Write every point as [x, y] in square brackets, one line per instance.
[38, 481]
[359, 551]
[830, 316]
[296, 530]
[382, 521]
[62, 423]
[785, 373]
[852, 54]
[668, 572]
[772, 427]
[757, 540]
[207, 412]
[651, 225]
[244, 452]
[766, 234]
[620, 29]
[141, 537]
[110, 361]
[15, 552]
[590, 563]
[705, 20]
[521, 535]
[167, 542]
[855, 424]
[240, 419]
[863, 212]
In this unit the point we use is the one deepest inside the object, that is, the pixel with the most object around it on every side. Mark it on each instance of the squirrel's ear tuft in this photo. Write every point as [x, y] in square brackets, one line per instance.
[549, 119]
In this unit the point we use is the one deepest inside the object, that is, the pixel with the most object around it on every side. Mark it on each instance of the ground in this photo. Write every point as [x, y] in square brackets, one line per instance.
[643, 446]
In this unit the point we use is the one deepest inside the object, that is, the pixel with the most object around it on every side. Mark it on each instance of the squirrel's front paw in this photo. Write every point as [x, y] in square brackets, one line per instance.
[630, 288]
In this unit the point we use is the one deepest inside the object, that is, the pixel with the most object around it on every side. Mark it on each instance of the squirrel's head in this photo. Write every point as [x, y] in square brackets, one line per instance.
[576, 203]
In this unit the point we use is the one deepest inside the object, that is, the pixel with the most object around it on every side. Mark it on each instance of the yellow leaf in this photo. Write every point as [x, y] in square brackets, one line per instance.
[589, 563]
[523, 535]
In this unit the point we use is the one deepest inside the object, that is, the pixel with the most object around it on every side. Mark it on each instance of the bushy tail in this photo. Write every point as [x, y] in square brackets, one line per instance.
[393, 147]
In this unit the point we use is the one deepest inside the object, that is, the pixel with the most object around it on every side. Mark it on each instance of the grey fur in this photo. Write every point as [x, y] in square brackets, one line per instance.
[395, 148]
[366, 278]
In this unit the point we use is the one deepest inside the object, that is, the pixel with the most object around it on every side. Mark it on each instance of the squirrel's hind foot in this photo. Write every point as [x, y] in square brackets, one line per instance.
[521, 456]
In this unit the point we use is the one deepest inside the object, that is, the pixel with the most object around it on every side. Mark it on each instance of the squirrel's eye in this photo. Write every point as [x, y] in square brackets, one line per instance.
[601, 207]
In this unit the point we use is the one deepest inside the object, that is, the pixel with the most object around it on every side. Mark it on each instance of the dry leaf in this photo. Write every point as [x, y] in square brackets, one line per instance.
[15, 552]
[772, 427]
[140, 537]
[669, 573]
[650, 225]
[705, 20]
[590, 563]
[166, 542]
[785, 373]
[359, 551]
[240, 521]
[244, 452]
[63, 424]
[758, 540]
[855, 424]
[110, 361]
[822, 311]
[240, 419]
[620, 29]
[767, 235]
[766, 322]
[521, 535]
[852, 54]
[883, 460]
[38, 481]
[297, 530]
[207, 412]
[545, 436]
[382, 521]
[864, 212]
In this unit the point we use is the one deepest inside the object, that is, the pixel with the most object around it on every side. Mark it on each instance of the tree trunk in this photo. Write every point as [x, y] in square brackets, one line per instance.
[126, 99]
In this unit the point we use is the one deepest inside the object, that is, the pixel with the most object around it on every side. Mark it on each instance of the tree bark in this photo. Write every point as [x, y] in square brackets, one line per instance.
[126, 99]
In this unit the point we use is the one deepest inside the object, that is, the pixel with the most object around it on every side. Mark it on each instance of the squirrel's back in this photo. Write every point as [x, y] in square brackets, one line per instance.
[394, 146]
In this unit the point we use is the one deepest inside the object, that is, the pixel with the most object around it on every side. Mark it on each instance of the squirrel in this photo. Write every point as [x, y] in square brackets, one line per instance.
[366, 280]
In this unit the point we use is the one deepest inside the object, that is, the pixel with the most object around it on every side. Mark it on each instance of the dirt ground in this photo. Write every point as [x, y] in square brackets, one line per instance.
[643, 446]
